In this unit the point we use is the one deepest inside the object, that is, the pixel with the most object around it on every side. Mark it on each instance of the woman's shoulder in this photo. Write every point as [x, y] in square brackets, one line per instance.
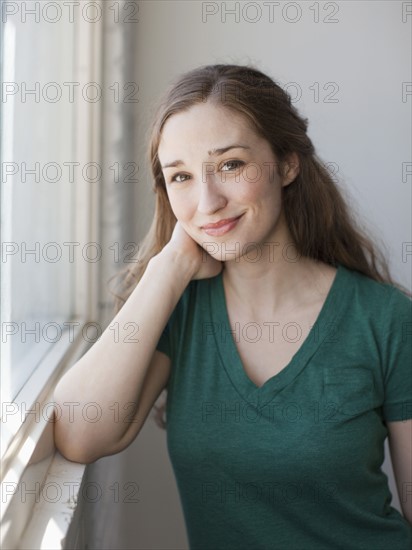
[372, 286]
[196, 293]
[366, 292]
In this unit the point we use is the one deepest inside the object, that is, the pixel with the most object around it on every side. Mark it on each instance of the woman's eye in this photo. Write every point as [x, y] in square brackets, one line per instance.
[177, 176]
[232, 164]
[237, 163]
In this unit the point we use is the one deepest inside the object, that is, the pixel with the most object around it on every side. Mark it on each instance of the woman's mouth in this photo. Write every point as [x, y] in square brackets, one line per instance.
[221, 227]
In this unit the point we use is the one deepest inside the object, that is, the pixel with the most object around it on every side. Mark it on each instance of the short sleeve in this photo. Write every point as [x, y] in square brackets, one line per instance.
[168, 339]
[163, 344]
[397, 357]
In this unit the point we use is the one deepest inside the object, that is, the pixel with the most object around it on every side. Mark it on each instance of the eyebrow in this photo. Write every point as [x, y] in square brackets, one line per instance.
[213, 153]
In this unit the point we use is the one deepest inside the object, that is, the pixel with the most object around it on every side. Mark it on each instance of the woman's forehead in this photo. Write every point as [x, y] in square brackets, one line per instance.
[208, 115]
[210, 128]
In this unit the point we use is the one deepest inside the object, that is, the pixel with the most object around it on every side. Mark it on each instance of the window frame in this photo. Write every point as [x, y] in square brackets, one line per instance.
[28, 451]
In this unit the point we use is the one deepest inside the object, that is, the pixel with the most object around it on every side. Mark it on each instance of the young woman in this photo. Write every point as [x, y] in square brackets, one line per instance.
[273, 323]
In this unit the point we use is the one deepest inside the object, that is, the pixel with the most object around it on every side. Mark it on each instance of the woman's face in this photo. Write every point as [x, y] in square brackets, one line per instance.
[223, 173]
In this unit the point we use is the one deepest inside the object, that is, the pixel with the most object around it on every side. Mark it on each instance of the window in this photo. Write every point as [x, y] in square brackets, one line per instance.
[38, 283]
[50, 146]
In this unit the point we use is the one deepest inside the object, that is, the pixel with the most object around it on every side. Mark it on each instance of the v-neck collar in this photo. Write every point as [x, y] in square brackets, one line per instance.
[229, 355]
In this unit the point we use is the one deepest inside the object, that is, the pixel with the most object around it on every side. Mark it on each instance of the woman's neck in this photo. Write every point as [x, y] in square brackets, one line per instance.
[275, 285]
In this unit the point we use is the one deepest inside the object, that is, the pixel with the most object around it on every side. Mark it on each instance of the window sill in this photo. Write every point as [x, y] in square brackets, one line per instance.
[31, 468]
[53, 514]
[17, 412]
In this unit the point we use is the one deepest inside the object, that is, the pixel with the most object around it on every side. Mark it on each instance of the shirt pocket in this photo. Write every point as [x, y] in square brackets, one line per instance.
[350, 389]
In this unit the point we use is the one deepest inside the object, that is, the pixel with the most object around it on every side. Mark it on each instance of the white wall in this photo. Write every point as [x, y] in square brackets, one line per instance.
[367, 134]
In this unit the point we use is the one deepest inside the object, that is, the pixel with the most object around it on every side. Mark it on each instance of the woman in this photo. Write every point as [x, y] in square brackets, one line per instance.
[261, 307]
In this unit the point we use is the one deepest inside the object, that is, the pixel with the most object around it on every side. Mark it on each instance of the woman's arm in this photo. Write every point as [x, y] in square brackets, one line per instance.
[400, 443]
[112, 372]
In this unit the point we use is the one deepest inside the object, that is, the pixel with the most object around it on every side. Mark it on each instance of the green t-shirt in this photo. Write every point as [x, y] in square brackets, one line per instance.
[296, 463]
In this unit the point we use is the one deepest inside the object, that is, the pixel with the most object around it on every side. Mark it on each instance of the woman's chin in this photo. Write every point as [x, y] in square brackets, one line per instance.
[219, 252]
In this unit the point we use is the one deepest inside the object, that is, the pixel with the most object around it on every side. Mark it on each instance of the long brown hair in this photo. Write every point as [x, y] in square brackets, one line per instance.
[317, 212]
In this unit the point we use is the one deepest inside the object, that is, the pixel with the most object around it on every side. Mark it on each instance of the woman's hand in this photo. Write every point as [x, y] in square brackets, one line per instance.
[205, 265]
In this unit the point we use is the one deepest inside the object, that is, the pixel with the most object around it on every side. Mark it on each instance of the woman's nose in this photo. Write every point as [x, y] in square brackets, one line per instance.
[211, 197]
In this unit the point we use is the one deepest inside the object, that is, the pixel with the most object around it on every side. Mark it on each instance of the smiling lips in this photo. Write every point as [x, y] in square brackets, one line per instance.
[221, 227]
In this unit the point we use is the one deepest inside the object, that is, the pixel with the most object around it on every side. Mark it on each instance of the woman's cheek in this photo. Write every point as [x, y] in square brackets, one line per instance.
[196, 236]
[206, 242]
[182, 205]
[176, 207]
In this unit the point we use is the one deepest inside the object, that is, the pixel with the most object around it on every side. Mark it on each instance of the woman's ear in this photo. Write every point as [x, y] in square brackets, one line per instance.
[290, 168]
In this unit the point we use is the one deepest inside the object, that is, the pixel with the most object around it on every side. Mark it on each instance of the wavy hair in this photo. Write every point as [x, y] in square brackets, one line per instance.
[318, 214]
